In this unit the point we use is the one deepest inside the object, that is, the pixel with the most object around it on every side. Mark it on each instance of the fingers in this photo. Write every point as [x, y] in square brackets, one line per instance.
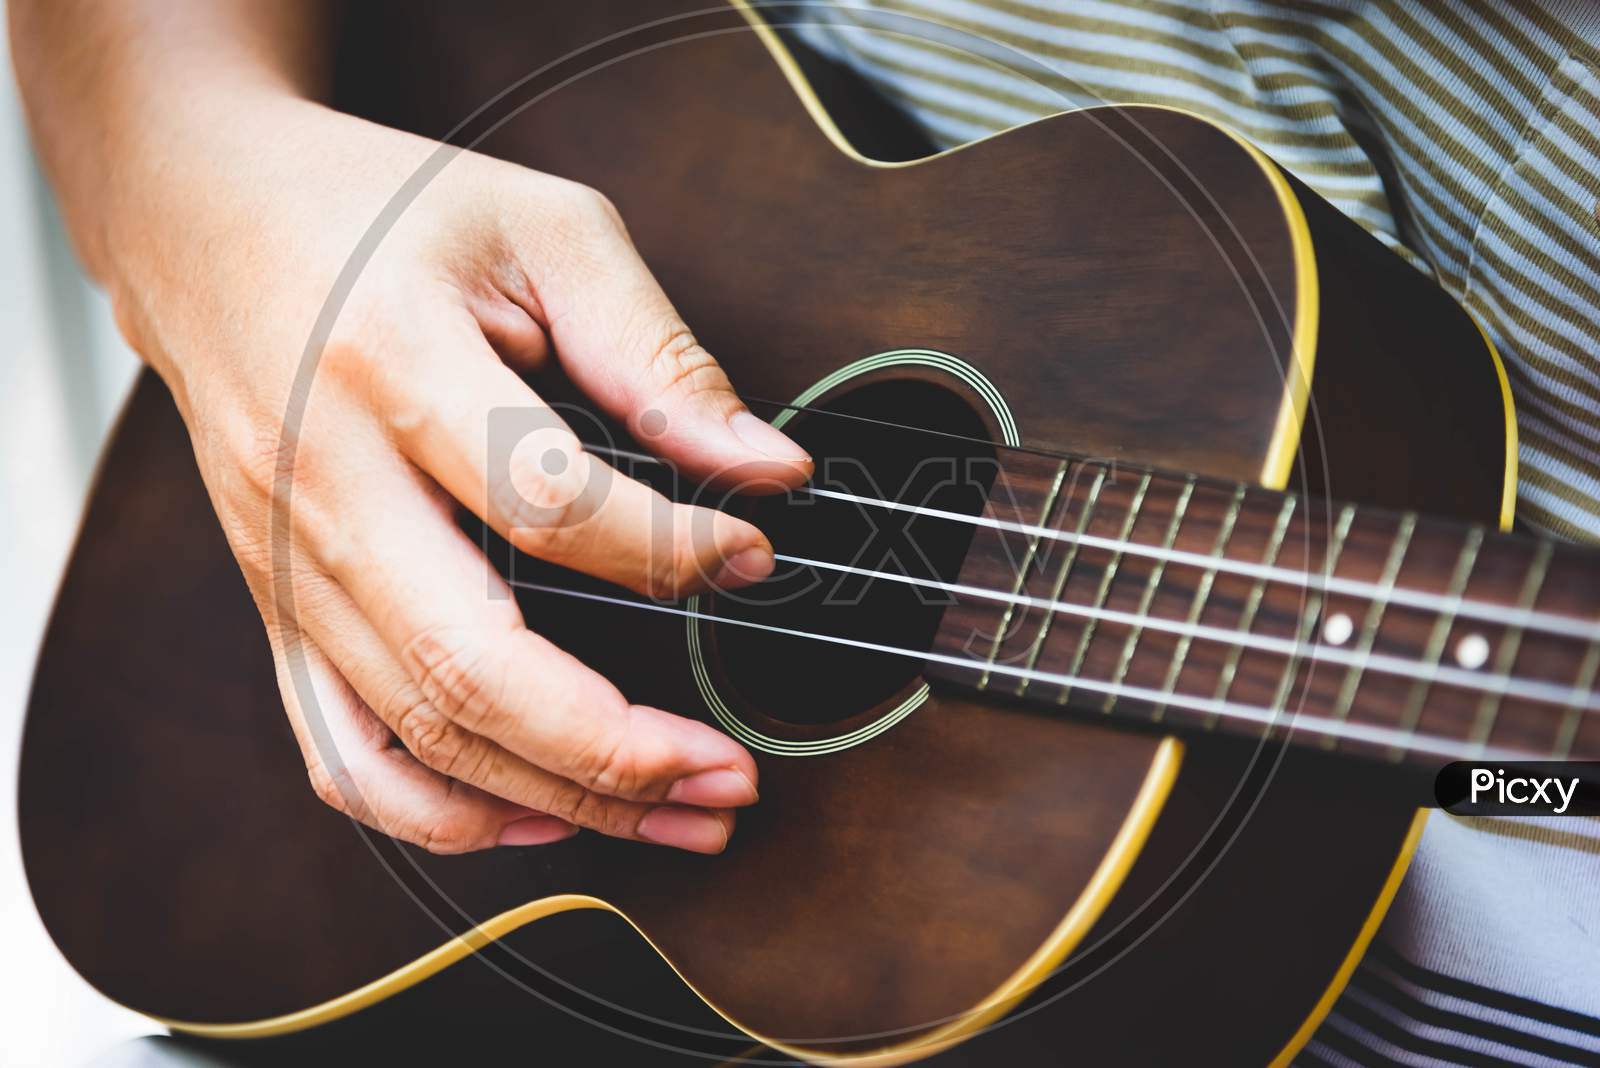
[493, 445]
[448, 620]
[436, 742]
[354, 769]
[619, 338]
[505, 736]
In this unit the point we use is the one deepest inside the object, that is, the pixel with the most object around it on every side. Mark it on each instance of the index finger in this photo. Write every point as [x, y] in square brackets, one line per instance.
[495, 446]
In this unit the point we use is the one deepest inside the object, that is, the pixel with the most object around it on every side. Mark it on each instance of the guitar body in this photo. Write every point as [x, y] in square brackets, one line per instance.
[1132, 284]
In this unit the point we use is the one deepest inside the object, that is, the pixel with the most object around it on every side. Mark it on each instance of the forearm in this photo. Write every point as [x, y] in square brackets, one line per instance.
[121, 93]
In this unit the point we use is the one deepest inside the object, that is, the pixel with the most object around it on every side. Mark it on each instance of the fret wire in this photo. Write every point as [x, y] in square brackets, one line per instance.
[1371, 622]
[1061, 579]
[1022, 572]
[1149, 593]
[1197, 605]
[1247, 618]
[1510, 642]
[1106, 578]
[1573, 715]
[1313, 610]
[1420, 689]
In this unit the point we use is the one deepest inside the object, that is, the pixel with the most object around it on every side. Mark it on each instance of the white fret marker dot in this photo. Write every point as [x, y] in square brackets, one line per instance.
[1338, 628]
[1472, 652]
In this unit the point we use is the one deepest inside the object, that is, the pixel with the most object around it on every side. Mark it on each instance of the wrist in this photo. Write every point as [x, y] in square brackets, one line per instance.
[188, 193]
[245, 205]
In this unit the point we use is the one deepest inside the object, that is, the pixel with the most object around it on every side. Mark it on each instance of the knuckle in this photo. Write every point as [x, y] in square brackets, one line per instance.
[590, 208]
[349, 356]
[409, 411]
[263, 457]
[544, 505]
[401, 705]
[452, 673]
[431, 738]
[337, 549]
[575, 216]
[673, 354]
[267, 463]
[604, 763]
[530, 500]
[663, 583]
[686, 567]
[589, 808]
[554, 537]
[565, 800]
[450, 834]
[347, 347]
[446, 839]
[677, 364]
[672, 572]
[373, 354]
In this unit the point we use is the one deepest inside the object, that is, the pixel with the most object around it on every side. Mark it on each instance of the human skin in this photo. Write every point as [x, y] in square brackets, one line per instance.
[218, 201]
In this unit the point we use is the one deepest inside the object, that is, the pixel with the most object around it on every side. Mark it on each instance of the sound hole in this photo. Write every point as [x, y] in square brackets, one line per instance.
[812, 683]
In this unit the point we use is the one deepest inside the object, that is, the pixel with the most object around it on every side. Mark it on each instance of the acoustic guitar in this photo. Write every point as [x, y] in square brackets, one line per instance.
[1154, 564]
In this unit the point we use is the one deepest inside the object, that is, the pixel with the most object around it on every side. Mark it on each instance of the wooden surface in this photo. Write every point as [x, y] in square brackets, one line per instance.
[184, 867]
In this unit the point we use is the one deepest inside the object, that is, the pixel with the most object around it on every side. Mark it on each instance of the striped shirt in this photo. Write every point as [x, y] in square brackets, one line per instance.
[1465, 135]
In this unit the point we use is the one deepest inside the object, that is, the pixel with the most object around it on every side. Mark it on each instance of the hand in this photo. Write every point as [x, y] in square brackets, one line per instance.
[492, 270]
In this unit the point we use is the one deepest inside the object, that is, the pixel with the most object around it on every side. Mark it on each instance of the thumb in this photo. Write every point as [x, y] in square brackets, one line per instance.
[621, 341]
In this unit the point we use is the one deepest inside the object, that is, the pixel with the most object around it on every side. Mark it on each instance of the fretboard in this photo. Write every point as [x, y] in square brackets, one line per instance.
[1207, 604]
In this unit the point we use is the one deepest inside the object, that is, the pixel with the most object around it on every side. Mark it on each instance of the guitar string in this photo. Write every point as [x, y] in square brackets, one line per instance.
[1320, 726]
[1312, 581]
[1505, 685]
[1502, 685]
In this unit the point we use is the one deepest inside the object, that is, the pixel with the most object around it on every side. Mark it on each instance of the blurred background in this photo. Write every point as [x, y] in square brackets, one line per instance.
[63, 374]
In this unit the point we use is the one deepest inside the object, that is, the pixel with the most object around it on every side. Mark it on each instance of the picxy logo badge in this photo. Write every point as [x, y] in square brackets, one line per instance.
[1551, 788]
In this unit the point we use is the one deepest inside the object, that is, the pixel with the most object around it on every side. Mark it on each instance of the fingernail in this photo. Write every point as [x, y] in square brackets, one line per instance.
[718, 788]
[767, 439]
[684, 828]
[536, 830]
[744, 567]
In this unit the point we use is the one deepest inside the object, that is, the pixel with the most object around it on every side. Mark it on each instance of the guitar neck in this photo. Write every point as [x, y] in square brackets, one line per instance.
[1174, 599]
